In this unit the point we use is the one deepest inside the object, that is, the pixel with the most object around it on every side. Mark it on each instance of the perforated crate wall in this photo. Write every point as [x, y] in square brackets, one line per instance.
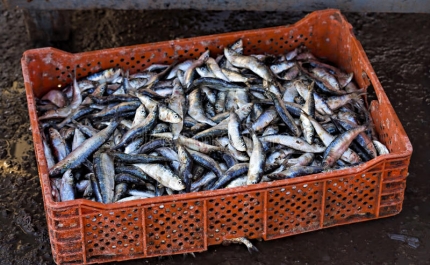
[175, 227]
[238, 215]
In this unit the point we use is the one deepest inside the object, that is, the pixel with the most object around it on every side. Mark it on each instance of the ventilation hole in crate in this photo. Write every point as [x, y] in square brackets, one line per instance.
[239, 218]
[174, 234]
[355, 197]
[108, 225]
[287, 198]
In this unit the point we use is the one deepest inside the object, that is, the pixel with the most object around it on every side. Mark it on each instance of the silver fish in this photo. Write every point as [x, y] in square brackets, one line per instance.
[105, 173]
[78, 156]
[67, 189]
[195, 108]
[256, 161]
[163, 175]
[234, 132]
[177, 103]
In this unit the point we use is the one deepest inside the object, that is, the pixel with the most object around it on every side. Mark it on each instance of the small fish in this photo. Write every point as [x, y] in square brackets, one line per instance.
[58, 144]
[246, 242]
[181, 66]
[215, 69]
[203, 181]
[141, 194]
[105, 76]
[137, 158]
[381, 148]
[189, 73]
[163, 175]
[127, 178]
[284, 114]
[220, 102]
[77, 156]
[296, 171]
[140, 115]
[139, 129]
[135, 197]
[215, 83]
[190, 143]
[206, 162]
[78, 139]
[134, 171]
[120, 190]
[234, 132]
[248, 62]
[105, 173]
[231, 174]
[164, 113]
[239, 182]
[195, 108]
[154, 144]
[67, 188]
[309, 109]
[256, 161]
[185, 171]
[96, 188]
[339, 145]
[293, 142]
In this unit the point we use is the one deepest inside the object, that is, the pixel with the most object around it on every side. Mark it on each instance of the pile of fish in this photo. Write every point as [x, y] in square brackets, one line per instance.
[203, 124]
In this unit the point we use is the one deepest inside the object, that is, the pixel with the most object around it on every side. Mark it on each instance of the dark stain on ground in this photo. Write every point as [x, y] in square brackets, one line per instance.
[397, 46]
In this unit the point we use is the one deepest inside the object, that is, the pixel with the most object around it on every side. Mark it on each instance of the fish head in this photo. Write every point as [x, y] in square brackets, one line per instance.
[113, 73]
[176, 118]
[176, 184]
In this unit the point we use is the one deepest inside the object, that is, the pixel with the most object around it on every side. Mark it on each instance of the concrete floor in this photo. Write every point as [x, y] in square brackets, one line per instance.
[397, 46]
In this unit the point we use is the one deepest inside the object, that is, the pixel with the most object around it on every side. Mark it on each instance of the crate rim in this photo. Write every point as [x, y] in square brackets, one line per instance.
[172, 42]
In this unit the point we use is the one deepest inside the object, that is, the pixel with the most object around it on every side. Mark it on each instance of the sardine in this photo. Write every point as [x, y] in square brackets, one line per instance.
[67, 188]
[138, 130]
[77, 156]
[105, 173]
[256, 161]
[195, 108]
[185, 171]
[163, 175]
[189, 73]
[234, 132]
[293, 142]
[339, 145]
[231, 174]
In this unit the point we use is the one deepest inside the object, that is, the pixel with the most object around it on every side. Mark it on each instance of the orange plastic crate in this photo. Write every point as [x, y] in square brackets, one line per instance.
[83, 231]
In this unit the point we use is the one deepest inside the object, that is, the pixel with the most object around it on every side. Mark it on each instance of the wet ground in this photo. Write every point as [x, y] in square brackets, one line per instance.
[397, 46]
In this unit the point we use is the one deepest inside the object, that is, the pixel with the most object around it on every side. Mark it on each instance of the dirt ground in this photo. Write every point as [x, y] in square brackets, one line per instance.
[397, 46]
